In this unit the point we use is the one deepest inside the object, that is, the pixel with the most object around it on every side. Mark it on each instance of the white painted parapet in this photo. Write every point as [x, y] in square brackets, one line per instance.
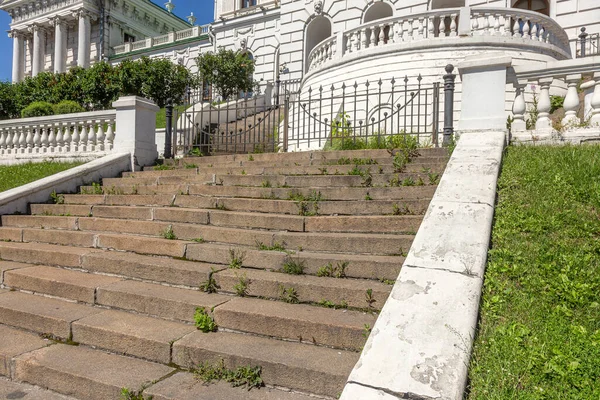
[87, 135]
[169, 38]
[421, 343]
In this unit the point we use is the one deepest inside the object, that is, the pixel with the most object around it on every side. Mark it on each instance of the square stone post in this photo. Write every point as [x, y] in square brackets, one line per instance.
[483, 104]
[136, 130]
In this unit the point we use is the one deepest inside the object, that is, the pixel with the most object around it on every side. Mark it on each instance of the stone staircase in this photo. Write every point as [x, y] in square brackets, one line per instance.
[292, 255]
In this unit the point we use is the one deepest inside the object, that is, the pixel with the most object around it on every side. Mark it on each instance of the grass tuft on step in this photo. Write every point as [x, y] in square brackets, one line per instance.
[539, 330]
[18, 175]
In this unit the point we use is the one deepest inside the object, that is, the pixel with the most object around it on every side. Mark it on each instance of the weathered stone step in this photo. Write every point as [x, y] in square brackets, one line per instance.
[298, 366]
[90, 234]
[25, 391]
[337, 328]
[383, 224]
[14, 342]
[85, 373]
[305, 288]
[301, 156]
[249, 168]
[185, 386]
[203, 258]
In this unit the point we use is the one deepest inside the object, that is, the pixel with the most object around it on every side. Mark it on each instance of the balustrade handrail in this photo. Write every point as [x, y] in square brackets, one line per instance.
[320, 45]
[162, 39]
[75, 117]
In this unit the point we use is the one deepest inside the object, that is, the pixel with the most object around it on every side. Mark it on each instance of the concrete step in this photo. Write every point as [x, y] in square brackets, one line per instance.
[202, 259]
[185, 386]
[25, 391]
[298, 366]
[85, 373]
[14, 342]
[248, 220]
[305, 288]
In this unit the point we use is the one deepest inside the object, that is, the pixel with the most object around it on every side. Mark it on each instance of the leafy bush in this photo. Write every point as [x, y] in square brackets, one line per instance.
[37, 109]
[67, 107]
[229, 72]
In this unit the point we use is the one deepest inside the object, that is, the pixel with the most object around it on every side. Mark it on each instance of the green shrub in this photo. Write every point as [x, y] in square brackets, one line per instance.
[67, 107]
[37, 109]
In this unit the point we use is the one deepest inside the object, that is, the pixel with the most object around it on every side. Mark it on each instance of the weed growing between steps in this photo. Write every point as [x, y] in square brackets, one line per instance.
[539, 330]
[236, 258]
[18, 175]
[247, 376]
[276, 246]
[203, 321]
[241, 287]
[210, 285]
[129, 394]
[293, 266]
[337, 271]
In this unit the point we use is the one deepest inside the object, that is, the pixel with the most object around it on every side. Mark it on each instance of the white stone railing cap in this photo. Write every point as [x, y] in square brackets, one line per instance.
[84, 116]
[482, 61]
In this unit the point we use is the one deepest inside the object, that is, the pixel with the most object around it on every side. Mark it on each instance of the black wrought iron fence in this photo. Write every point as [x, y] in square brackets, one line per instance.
[587, 44]
[344, 116]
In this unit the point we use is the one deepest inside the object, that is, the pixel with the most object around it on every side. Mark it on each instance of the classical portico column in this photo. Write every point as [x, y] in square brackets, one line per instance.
[84, 37]
[39, 44]
[60, 45]
[18, 66]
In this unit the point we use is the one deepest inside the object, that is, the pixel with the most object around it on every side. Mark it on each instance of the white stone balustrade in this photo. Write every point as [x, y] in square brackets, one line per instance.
[90, 133]
[519, 27]
[322, 52]
[171, 37]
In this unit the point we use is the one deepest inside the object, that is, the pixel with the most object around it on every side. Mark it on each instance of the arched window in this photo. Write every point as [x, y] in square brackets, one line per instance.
[317, 30]
[378, 10]
[540, 6]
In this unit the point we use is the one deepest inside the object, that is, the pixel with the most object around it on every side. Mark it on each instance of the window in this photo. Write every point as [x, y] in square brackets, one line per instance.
[127, 38]
[248, 3]
[540, 6]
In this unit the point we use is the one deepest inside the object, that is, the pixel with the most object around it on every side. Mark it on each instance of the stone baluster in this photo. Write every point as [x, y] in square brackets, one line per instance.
[8, 140]
[37, 139]
[526, 28]
[486, 24]
[400, 31]
[372, 36]
[410, 30]
[442, 26]
[549, 37]
[431, 27]
[519, 108]
[83, 135]
[363, 38]
[52, 138]
[391, 33]
[381, 36]
[571, 103]
[3, 134]
[44, 138]
[66, 142]
[453, 24]
[28, 140]
[543, 123]
[534, 31]
[18, 135]
[507, 26]
[333, 49]
[59, 137]
[542, 34]
[595, 103]
[496, 30]
[74, 146]
[420, 29]
[517, 27]
[110, 136]
[100, 136]
[91, 140]
[349, 43]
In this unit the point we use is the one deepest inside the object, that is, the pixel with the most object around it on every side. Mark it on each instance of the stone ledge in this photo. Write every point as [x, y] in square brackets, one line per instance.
[421, 343]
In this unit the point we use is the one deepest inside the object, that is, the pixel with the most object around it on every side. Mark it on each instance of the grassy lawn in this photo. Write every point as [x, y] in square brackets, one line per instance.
[17, 175]
[539, 332]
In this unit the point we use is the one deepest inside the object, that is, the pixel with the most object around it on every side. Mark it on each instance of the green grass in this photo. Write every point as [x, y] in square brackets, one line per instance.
[539, 329]
[17, 175]
[161, 116]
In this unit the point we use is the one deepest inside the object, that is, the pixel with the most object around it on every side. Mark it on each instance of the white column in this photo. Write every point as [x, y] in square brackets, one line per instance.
[39, 44]
[18, 66]
[84, 37]
[60, 45]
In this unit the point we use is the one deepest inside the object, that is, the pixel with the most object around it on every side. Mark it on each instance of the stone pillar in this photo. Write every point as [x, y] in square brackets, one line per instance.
[136, 130]
[84, 37]
[39, 44]
[60, 45]
[483, 104]
[18, 66]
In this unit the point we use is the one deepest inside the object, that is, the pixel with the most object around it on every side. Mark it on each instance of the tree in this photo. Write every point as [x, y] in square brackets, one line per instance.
[164, 80]
[227, 71]
[100, 85]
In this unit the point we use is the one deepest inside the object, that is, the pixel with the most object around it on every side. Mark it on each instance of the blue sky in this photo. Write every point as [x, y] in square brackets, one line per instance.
[202, 9]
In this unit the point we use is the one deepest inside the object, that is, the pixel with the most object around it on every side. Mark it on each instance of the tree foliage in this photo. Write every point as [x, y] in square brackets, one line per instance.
[227, 71]
[97, 87]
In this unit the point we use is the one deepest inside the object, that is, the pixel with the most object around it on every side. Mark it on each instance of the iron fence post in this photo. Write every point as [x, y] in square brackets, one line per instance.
[448, 104]
[169, 128]
[285, 123]
[582, 37]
